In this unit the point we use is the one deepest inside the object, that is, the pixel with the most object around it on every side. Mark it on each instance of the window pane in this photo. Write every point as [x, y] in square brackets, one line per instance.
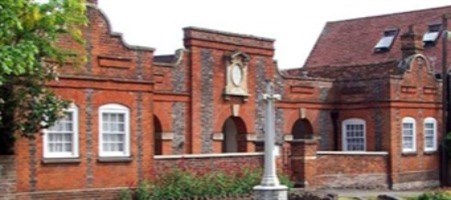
[113, 132]
[408, 136]
[105, 117]
[120, 147]
[51, 147]
[106, 137]
[106, 146]
[67, 147]
[68, 137]
[105, 126]
[121, 127]
[429, 135]
[60, 136]
[355, 137]
[113, 127]
[68, 126]
[113, 117]
[121, 118]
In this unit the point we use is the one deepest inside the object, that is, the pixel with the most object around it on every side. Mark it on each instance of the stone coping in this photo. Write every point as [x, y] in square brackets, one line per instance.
[353, 153]
[230, 34]
[214, 155]
[71, 191]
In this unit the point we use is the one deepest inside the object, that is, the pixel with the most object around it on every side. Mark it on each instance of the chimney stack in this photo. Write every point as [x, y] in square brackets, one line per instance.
[411, 43]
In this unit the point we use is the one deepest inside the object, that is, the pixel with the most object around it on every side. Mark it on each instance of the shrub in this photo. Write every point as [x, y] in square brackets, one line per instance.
[285, 180]
[126, 194]
[435, 196]
[179, 184]
[142, 192]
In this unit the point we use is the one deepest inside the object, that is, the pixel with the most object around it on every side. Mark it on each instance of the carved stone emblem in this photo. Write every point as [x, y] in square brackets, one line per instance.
[236, 75]
[420, 62]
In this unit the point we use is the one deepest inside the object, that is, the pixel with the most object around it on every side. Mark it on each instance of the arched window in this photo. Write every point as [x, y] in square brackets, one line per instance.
[430, 134]
[408, 134]
[354, 135]
[61, 140]
[114, 130]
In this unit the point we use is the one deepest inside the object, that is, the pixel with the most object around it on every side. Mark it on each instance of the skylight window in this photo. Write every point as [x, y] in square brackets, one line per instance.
[430, 37]
[386, 41]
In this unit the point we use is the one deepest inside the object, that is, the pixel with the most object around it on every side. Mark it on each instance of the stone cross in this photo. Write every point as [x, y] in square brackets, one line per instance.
[269, 176]
[270, 187]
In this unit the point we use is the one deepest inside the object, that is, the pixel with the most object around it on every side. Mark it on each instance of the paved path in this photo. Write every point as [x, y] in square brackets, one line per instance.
[371, 193]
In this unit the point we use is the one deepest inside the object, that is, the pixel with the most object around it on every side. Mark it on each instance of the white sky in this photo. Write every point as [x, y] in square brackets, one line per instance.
[294, 24]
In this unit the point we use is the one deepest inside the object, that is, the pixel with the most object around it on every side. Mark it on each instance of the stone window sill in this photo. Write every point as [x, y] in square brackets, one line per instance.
[114, 159]
[60, 160]
[431, 152]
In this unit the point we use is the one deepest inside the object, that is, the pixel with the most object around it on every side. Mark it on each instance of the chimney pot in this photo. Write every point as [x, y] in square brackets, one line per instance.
[411, 43]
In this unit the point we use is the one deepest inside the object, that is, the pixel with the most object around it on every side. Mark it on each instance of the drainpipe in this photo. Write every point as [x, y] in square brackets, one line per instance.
[444, 160]
[334, 114]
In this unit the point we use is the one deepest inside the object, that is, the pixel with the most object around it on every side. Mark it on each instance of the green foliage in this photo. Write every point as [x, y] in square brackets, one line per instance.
[179, 184]
[142, 192]
[126, 194]
[29, 58]
[435, 196]
[285, 180]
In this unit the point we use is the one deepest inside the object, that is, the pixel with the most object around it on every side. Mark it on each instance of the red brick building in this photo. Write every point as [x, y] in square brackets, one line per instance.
[364, 111]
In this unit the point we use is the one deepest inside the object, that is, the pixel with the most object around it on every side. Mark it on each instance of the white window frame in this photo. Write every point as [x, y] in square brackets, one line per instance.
[434, 136]
[115, 108]
[387, 40]
[414, 137]
[353, 121]
[74, 154]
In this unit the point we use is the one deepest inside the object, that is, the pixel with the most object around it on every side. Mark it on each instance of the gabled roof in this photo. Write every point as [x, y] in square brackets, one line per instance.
[352, 42]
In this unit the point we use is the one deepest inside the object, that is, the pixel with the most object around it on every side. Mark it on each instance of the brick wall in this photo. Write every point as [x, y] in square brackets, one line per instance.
[7, 177]
[97, 194]
[352, 170]
[115, 73]
[210, 108]
[205, 163]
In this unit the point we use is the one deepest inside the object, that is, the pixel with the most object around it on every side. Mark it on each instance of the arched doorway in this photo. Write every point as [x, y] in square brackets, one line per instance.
[158, 146]
[302, 129]
[234, 131]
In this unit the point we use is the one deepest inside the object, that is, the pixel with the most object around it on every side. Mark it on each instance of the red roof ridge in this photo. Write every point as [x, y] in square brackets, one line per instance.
[371, 64]
[389, 14]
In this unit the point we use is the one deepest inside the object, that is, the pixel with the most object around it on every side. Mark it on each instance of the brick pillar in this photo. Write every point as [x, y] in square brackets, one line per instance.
[303, 161]
[7, 177]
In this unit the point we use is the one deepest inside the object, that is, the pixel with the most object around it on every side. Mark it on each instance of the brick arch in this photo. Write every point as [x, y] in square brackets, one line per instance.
[225, 113]
[293, 117]
[417, 60]
[165, 119]
[302, 129]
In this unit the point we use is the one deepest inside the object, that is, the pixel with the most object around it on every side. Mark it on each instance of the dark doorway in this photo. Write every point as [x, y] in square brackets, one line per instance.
[234, 131]
[302, 129]
[158, 146]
